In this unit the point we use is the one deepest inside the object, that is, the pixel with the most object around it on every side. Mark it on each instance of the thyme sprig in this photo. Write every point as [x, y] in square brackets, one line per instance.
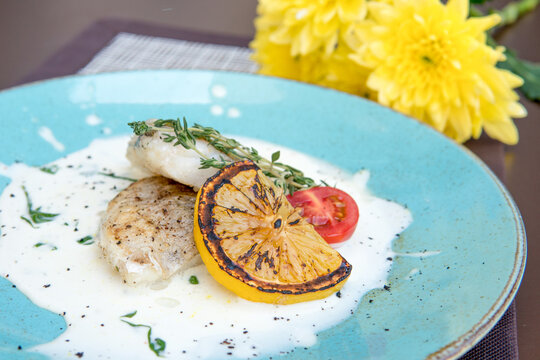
[36, 215]
[178, 132]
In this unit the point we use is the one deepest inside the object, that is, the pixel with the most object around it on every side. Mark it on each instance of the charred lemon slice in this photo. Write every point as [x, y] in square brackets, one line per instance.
[257, 245]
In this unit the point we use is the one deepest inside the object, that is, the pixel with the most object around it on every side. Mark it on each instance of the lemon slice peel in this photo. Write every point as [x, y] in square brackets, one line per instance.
[257, 245]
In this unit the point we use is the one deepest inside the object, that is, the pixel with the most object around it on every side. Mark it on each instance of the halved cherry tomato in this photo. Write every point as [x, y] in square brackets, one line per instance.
[332, 212]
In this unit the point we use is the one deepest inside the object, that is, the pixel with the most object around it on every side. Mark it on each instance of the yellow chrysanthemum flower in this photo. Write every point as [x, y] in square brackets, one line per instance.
[308, 25]
[304, 40]
[431, 62]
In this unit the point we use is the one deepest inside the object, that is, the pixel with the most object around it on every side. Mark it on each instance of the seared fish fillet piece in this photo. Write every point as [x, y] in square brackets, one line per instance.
[150, 152]
[147, 231]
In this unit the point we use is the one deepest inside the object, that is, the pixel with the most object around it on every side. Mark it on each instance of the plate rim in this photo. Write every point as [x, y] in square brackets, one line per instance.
[468, 339]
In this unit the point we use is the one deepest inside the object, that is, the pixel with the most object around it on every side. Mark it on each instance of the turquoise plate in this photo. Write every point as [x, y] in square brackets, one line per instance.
[460, 209]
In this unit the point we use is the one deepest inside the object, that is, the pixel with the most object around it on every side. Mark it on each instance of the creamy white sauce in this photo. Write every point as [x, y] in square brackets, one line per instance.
[47, 135]
[196, 321]
[233, 112]
[93, 120]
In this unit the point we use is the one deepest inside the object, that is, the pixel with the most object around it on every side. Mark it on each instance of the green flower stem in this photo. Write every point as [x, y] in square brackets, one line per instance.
[514, 10]
[510, 13]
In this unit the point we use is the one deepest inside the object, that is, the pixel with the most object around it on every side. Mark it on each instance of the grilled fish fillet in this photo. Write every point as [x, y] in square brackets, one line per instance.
[147, 231]
[150, 152]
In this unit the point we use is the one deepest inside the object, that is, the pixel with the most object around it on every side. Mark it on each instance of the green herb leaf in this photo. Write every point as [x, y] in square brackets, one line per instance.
[40, 244]
[528, 71]
[116, 176]
[36, 215]
[139, 127]
[87, 240]
[53, 169]
[28, 221]
[130, 315]
[157, 345]
[275, 156]
[193, 280]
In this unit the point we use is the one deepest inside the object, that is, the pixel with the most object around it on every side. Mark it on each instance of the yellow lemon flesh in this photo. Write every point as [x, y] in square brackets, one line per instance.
[257, 245]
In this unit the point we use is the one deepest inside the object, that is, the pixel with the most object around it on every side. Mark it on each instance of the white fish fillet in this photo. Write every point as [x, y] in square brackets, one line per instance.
[147, 230]
[175, 162]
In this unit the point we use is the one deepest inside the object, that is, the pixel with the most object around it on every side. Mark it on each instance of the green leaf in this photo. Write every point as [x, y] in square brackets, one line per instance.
[139, 127]
[528, 71]
[36, 216]
[112, 175]
[193, 280]
[87, 240]
[40, 244]
[275, 156]
[157, 345]
[28, 221]
[53, 169]
[130, 315]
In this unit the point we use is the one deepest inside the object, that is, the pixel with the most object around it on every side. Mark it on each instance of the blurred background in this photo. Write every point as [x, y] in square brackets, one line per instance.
[33, 30]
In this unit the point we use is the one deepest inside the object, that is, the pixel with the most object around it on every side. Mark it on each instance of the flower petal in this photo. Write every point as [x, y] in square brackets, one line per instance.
[480, 24]
[504, 131]
[460, 7]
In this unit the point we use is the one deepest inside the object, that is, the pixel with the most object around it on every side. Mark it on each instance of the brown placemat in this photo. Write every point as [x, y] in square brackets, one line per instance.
[499, 343]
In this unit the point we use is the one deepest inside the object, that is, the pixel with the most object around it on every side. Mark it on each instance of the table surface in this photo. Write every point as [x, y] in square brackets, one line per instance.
[32, 31]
